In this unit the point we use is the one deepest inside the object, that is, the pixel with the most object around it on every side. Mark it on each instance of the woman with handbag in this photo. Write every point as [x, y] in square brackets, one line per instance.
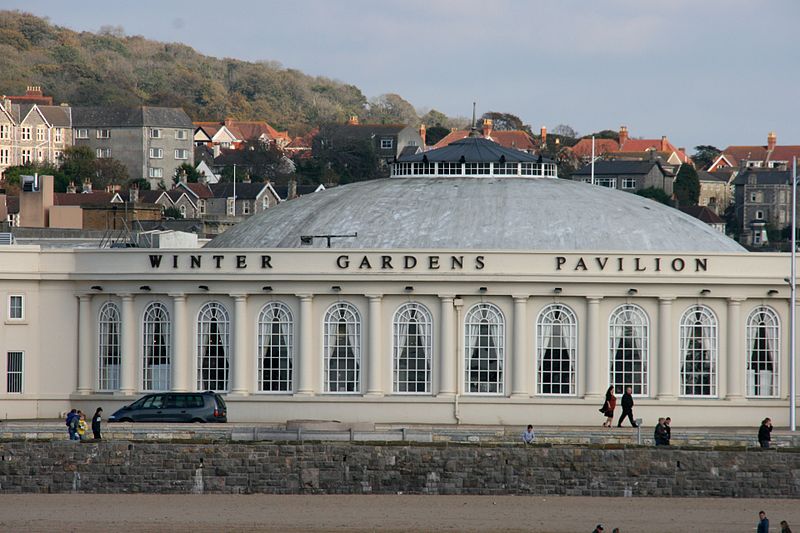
[608, 407]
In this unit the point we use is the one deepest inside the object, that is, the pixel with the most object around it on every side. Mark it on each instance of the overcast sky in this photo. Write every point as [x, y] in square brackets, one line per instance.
[699, 71]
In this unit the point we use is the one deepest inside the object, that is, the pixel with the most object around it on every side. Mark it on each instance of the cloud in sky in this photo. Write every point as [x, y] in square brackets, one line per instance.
[712, 72]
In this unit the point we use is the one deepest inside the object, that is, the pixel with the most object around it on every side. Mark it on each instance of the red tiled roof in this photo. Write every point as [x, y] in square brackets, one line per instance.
[583, 148]
[703, 214]
[202, 191]
[734, 154]
[211, 128]
[643, 145]
[515, 139]
[89, 198]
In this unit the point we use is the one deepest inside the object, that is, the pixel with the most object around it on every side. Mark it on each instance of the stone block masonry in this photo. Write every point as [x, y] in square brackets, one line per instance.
[355, 468]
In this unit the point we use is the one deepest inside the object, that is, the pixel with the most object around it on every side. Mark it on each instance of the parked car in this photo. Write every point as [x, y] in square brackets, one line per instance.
[174, 407]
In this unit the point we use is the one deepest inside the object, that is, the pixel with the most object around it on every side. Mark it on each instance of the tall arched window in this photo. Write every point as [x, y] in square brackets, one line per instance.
[342, 348]
[484, 347]
[412, 348]
[108, 348]
[156, 348]
[628, 349]
[556, 350]
[699, 342]
[763, 349]
[213, 345]
[275, 348]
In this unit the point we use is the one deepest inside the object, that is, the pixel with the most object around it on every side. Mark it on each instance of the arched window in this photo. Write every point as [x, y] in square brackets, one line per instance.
[698, 338]
[628, 349]
[763, 349]
[156, 348]
[213, 345]
[275, 348]
[556, 350]
[342, 348]
[108, 348]
[412, 348]
[484, 342]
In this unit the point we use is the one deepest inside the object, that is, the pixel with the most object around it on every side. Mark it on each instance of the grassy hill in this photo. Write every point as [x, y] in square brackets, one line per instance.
[110, 68]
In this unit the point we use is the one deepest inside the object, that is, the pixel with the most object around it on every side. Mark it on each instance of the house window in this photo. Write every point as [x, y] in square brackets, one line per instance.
[506, 168]
[245, 207]
[759, 215]
[104, 134]
[230, 207]
[763, 351]
[16, 307]
[213, 346]
[25, 133]
[275, 348]
[181, 154]
[82, 133]
[698, 346]
[103, 153]
[39, 133]
[109, 358]
[412, 349]
[447, 169]
[59, 135]
[156, 348]
[628, 349]
[557, 350]
[14, 366]
[628, 183]
[753, 197]
[264, 203]
[26, 155]
[156, 153]
[5, 131]
[477, 168]
[387, 143]
[202, 206]
[611, 183]
[183, 210]
[484, 349]
[5, 156]
[181, 135]
[155, 172]
[155, 133]
[342, 348]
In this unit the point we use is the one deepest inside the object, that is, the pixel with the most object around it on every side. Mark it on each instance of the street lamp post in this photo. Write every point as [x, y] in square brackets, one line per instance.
[793, 298]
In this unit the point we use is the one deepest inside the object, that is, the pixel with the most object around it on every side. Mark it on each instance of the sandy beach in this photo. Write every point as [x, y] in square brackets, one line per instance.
[387, 514]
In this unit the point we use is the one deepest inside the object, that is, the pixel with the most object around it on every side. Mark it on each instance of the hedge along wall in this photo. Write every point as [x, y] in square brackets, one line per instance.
[352, 468]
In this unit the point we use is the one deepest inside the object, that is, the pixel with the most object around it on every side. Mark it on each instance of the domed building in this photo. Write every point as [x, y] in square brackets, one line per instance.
[472, 286]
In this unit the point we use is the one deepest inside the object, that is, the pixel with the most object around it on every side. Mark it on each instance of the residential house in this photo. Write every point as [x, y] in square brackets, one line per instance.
[293, 190]
[235, 133]
[513, 139]
[199, 194]
[33, 132]
[240, 199]
[628, 148]
[706, 215]
[152, 142]
[206, 172]
[771, 155]
[716, 190]
[389, 140]
[763, 200]
[627, 175]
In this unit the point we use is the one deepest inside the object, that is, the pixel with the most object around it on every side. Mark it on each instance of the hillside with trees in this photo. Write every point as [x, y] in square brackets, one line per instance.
[114, 69]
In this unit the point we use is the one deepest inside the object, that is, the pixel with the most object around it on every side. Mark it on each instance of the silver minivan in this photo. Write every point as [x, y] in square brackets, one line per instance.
[174, 407]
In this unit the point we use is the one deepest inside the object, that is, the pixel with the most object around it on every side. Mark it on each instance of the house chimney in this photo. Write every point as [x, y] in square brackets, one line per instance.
[353, 120]
[7, 104]
[664, 143]
[182, 176]
[422, 133]
[487, 127]
[246, 178]
[772, 140]
[202, 178]
[71, 187]
[292, 192]
[623, 135]
[133, 193]
[544, 135]
[87, 185]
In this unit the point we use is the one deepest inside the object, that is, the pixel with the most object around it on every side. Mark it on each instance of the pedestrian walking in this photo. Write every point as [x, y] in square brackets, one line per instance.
[70, 429]
[83, 427]
[608, 407]
[764, 433]
[627, 407]
[785, 527]
[97, 419]
[528, 436]
[660, 433]
[763, 521]
[668, 426]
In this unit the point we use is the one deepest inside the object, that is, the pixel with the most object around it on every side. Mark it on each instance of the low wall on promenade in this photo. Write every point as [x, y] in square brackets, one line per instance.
[357, 468]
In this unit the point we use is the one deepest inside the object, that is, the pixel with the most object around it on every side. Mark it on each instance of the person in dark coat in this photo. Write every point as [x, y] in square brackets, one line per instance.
[660, 433]
[764, 433]
[668, 427]
[70, 426]
[763, 521]
[627, 407]
[608, 407]
[97, 419]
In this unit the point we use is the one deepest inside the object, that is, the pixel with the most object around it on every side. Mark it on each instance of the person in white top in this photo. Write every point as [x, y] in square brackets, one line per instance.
[528, 436]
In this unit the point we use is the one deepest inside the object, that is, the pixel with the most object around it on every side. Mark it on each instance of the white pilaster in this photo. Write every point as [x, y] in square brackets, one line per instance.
[519, 364]
[129, 352]
[305, 360]
[666, 357]
[735, 359]
[239, 384]
[375, 355]
[596, 372]
[86, 352]
[181, 362]
[447, 355]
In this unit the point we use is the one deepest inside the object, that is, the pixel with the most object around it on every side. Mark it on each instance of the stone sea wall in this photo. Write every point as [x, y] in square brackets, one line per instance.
[354, 468]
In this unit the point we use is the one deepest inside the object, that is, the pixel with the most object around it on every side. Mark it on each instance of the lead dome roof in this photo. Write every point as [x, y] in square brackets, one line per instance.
[481, 214]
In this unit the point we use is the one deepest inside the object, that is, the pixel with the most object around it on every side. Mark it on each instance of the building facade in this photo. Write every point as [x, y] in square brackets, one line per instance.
[33, 133]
